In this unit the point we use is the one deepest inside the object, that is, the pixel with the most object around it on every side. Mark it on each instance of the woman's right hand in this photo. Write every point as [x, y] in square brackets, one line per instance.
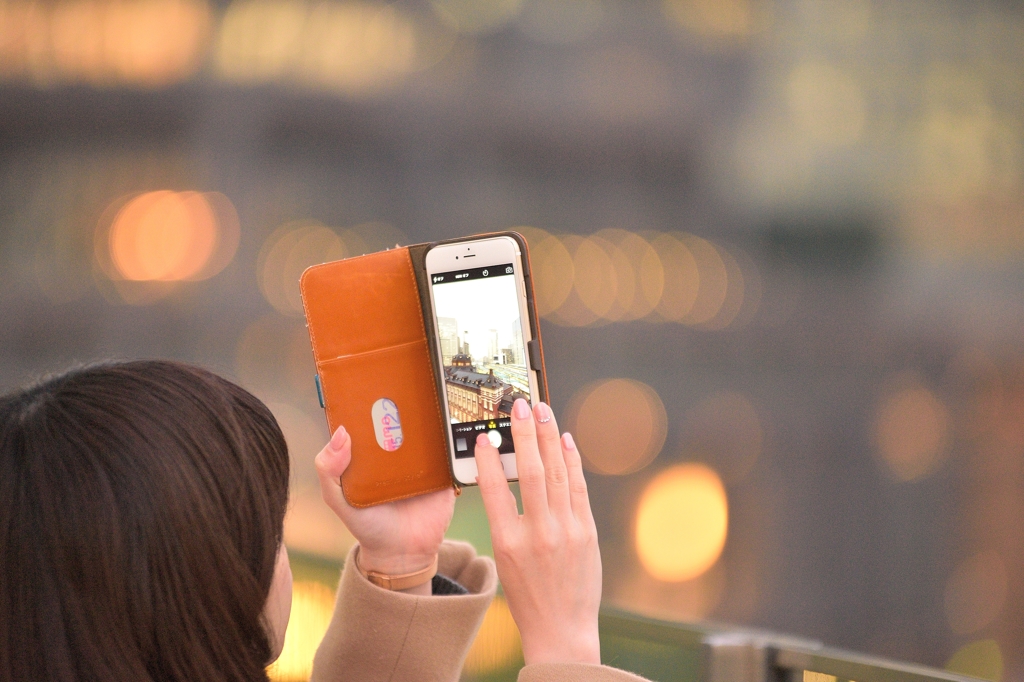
[548, 558]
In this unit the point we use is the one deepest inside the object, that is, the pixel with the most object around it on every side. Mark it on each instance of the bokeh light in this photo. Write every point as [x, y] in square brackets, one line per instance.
[352, 47]
[169, 236]
[641, 276]
[552, 268]
[259, 39]
[616, 275]
[619, 425]
[681, 277]
[713, 278]
[286, 253]
[148, 43]
[911, 432]
[312, 608]
[735, 293]
[976, 592]
[597, 275]
[573, 311]
[296, 245]
[982, 659]
[497, 644]
[681, 522]
[726, 429]
[717, 20]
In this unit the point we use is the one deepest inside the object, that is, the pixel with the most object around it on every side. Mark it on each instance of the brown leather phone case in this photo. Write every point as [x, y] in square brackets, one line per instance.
[372, 331]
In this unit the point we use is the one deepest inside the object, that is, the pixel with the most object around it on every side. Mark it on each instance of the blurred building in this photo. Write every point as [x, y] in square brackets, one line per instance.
[777, 245]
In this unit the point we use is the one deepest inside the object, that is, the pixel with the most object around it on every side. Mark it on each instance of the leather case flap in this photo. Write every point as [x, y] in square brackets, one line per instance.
[366, 326]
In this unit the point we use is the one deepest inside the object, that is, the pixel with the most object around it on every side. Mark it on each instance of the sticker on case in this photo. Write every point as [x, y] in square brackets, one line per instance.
[387, 425]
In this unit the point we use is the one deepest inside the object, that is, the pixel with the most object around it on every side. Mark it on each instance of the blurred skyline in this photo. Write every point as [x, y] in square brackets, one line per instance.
[778, 246]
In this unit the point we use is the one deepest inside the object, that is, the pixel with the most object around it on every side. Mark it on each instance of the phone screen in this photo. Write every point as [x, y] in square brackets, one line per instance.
[482, 350]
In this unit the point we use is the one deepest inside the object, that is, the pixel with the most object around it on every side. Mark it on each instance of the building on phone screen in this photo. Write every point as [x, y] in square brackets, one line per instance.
[448, 331]
[475, 396]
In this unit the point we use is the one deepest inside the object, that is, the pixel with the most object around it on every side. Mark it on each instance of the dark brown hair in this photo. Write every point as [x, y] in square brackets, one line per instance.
[141, 510]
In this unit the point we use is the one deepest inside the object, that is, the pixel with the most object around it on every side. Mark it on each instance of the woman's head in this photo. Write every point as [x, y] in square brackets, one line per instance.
[141, 511]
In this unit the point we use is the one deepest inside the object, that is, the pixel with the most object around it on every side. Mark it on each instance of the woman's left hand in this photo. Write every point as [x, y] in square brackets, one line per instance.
[395, 537]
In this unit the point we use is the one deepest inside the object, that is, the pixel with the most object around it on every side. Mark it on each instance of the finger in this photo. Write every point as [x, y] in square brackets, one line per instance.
[578, 495]
[528, 461]
[550, 446]
[331, 463]
[499, 503]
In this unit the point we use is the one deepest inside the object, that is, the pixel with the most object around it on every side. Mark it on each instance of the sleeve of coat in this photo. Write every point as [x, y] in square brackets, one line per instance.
[574, 672]
[379, 635]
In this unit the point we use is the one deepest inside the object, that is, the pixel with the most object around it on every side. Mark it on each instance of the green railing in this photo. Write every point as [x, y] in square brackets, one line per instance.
[665, 651]
[661, 651]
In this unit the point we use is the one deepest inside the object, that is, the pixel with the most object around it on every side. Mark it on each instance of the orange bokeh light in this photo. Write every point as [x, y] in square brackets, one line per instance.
[149, 43]
[620, 425]
[911, 432]
[169, 236]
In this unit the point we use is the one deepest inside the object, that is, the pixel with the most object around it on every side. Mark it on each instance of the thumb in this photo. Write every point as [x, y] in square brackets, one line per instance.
[331, 463]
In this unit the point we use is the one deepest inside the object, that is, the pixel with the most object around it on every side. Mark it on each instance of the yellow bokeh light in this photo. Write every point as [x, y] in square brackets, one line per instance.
[572, 311]
[826, 104]
[169, 236]
[356, 47]
[632, 258]
[497, 644]
[596, 280]
[148, 43]
[713, 279]
[312, 608]
[259, 38]
[619, 425]
[976, 592]
[911, 431]
[625, 278]
[552, 268]
[681, 522]
[353, 47]
[296, 245]
[288, 251]
[681, 277]
[645, 273]
[982, 659]
[735, 292]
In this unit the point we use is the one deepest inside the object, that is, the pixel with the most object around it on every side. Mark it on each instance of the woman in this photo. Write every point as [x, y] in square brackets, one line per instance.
[141, 514]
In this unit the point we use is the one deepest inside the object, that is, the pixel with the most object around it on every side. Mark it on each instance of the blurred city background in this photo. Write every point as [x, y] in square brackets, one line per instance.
[778, 248]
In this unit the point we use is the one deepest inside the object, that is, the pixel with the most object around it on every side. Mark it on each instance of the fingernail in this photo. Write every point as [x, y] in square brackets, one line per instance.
[567, 441]
[338, 439]
[482, 439]
[543, 413]
[520, 409]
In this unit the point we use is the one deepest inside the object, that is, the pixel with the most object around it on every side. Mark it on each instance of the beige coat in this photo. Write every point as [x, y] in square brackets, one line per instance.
[377, 635]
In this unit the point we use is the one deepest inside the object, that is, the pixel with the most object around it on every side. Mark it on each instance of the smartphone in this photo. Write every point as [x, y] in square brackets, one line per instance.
[482, 320]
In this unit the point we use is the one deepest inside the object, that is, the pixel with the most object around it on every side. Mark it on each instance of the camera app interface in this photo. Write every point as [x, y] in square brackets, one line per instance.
[483, 353]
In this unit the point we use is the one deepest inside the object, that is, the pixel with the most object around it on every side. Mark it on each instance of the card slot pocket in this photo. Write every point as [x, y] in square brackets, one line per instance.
[403, 375]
